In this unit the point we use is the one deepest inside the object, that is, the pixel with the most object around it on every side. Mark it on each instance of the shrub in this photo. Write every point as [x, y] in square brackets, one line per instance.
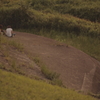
[49, 74]
[15, 17]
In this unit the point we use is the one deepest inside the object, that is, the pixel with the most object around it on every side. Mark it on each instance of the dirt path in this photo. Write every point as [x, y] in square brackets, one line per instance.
[77, 69]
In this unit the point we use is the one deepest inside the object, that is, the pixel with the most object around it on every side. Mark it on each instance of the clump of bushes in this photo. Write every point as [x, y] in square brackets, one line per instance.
[25, 17]
[15, 17]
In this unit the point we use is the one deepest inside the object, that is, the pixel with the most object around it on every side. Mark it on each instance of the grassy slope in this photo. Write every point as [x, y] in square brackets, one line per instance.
[86, 9]
[16, 87]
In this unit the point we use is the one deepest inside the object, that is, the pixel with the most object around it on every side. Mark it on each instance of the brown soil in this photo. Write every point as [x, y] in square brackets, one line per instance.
[77, 70]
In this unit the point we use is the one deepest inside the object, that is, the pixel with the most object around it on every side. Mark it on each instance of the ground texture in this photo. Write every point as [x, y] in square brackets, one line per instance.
[77, 70]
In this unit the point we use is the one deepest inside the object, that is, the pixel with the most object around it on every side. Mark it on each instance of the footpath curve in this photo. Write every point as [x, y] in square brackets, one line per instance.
[77, 70]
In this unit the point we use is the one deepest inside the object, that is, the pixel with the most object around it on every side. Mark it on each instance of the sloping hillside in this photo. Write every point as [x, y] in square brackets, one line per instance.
[14, 59]
[77, 70]
[45, 59]
[17, 87]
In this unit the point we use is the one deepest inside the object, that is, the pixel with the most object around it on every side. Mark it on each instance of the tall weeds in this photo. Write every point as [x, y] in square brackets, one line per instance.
[22, 16]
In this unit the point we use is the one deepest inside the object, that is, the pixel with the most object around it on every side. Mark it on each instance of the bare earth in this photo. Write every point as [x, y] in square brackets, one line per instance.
[77, 70]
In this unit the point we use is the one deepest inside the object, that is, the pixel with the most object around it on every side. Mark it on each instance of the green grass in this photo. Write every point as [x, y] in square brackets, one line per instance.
[16, 87]
[7, 44]
[50, 18]
[51, 75]
[88, 44]
[5, 41]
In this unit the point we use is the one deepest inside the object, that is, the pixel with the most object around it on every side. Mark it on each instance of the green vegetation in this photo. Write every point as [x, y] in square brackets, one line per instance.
[53, 76]
[8, 42]
[54, 19]
[49, 74]
[6, 45]
[16, 87]
[74, 22]
[86, 9]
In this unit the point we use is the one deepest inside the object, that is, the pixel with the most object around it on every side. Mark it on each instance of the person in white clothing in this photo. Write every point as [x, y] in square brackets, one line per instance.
[9, 31]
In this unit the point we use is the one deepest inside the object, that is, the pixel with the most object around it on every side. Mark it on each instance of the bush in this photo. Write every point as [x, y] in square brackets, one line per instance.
[15, 17]
[49, 74]
[92, 14]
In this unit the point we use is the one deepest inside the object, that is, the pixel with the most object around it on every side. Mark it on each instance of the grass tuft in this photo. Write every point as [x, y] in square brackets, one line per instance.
[53, 76]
